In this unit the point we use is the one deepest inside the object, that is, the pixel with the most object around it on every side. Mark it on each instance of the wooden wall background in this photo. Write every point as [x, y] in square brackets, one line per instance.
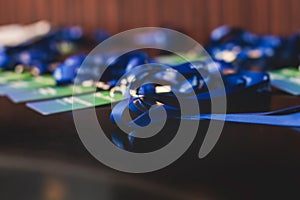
[196, 17]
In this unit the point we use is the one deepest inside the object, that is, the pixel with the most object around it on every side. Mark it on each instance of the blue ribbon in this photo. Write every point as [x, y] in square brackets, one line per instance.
[246, 50]
[41, 52]
[75, 67]
[235, 85]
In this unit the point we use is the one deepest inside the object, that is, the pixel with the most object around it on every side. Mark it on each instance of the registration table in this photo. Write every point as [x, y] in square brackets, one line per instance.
[42, 157]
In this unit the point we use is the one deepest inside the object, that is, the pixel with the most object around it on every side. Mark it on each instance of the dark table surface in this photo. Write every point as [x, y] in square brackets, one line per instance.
[42, 157]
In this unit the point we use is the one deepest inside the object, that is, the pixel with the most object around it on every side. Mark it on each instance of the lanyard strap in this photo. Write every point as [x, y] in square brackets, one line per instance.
[148, 100]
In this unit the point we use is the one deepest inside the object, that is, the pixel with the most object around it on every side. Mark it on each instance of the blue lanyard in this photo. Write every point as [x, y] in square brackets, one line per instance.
[235, 84]
[42, 52]
[246, 50]
[275, 118]
[66, 72]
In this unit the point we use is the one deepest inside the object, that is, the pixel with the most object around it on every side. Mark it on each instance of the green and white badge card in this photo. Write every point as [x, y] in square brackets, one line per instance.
[177, 60]
[28, 83]
[287, 79]
[49, 107]
[48, 93]
[9, 76]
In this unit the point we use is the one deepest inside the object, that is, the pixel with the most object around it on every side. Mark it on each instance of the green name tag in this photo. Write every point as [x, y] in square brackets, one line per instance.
[287, 80]
[9, 76]
[30, 83]
[47, 93]
[177, 60]
[66, 104]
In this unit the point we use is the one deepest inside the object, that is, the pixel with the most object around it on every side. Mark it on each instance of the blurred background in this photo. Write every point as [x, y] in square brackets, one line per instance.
[196, 17]
[43, 157]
